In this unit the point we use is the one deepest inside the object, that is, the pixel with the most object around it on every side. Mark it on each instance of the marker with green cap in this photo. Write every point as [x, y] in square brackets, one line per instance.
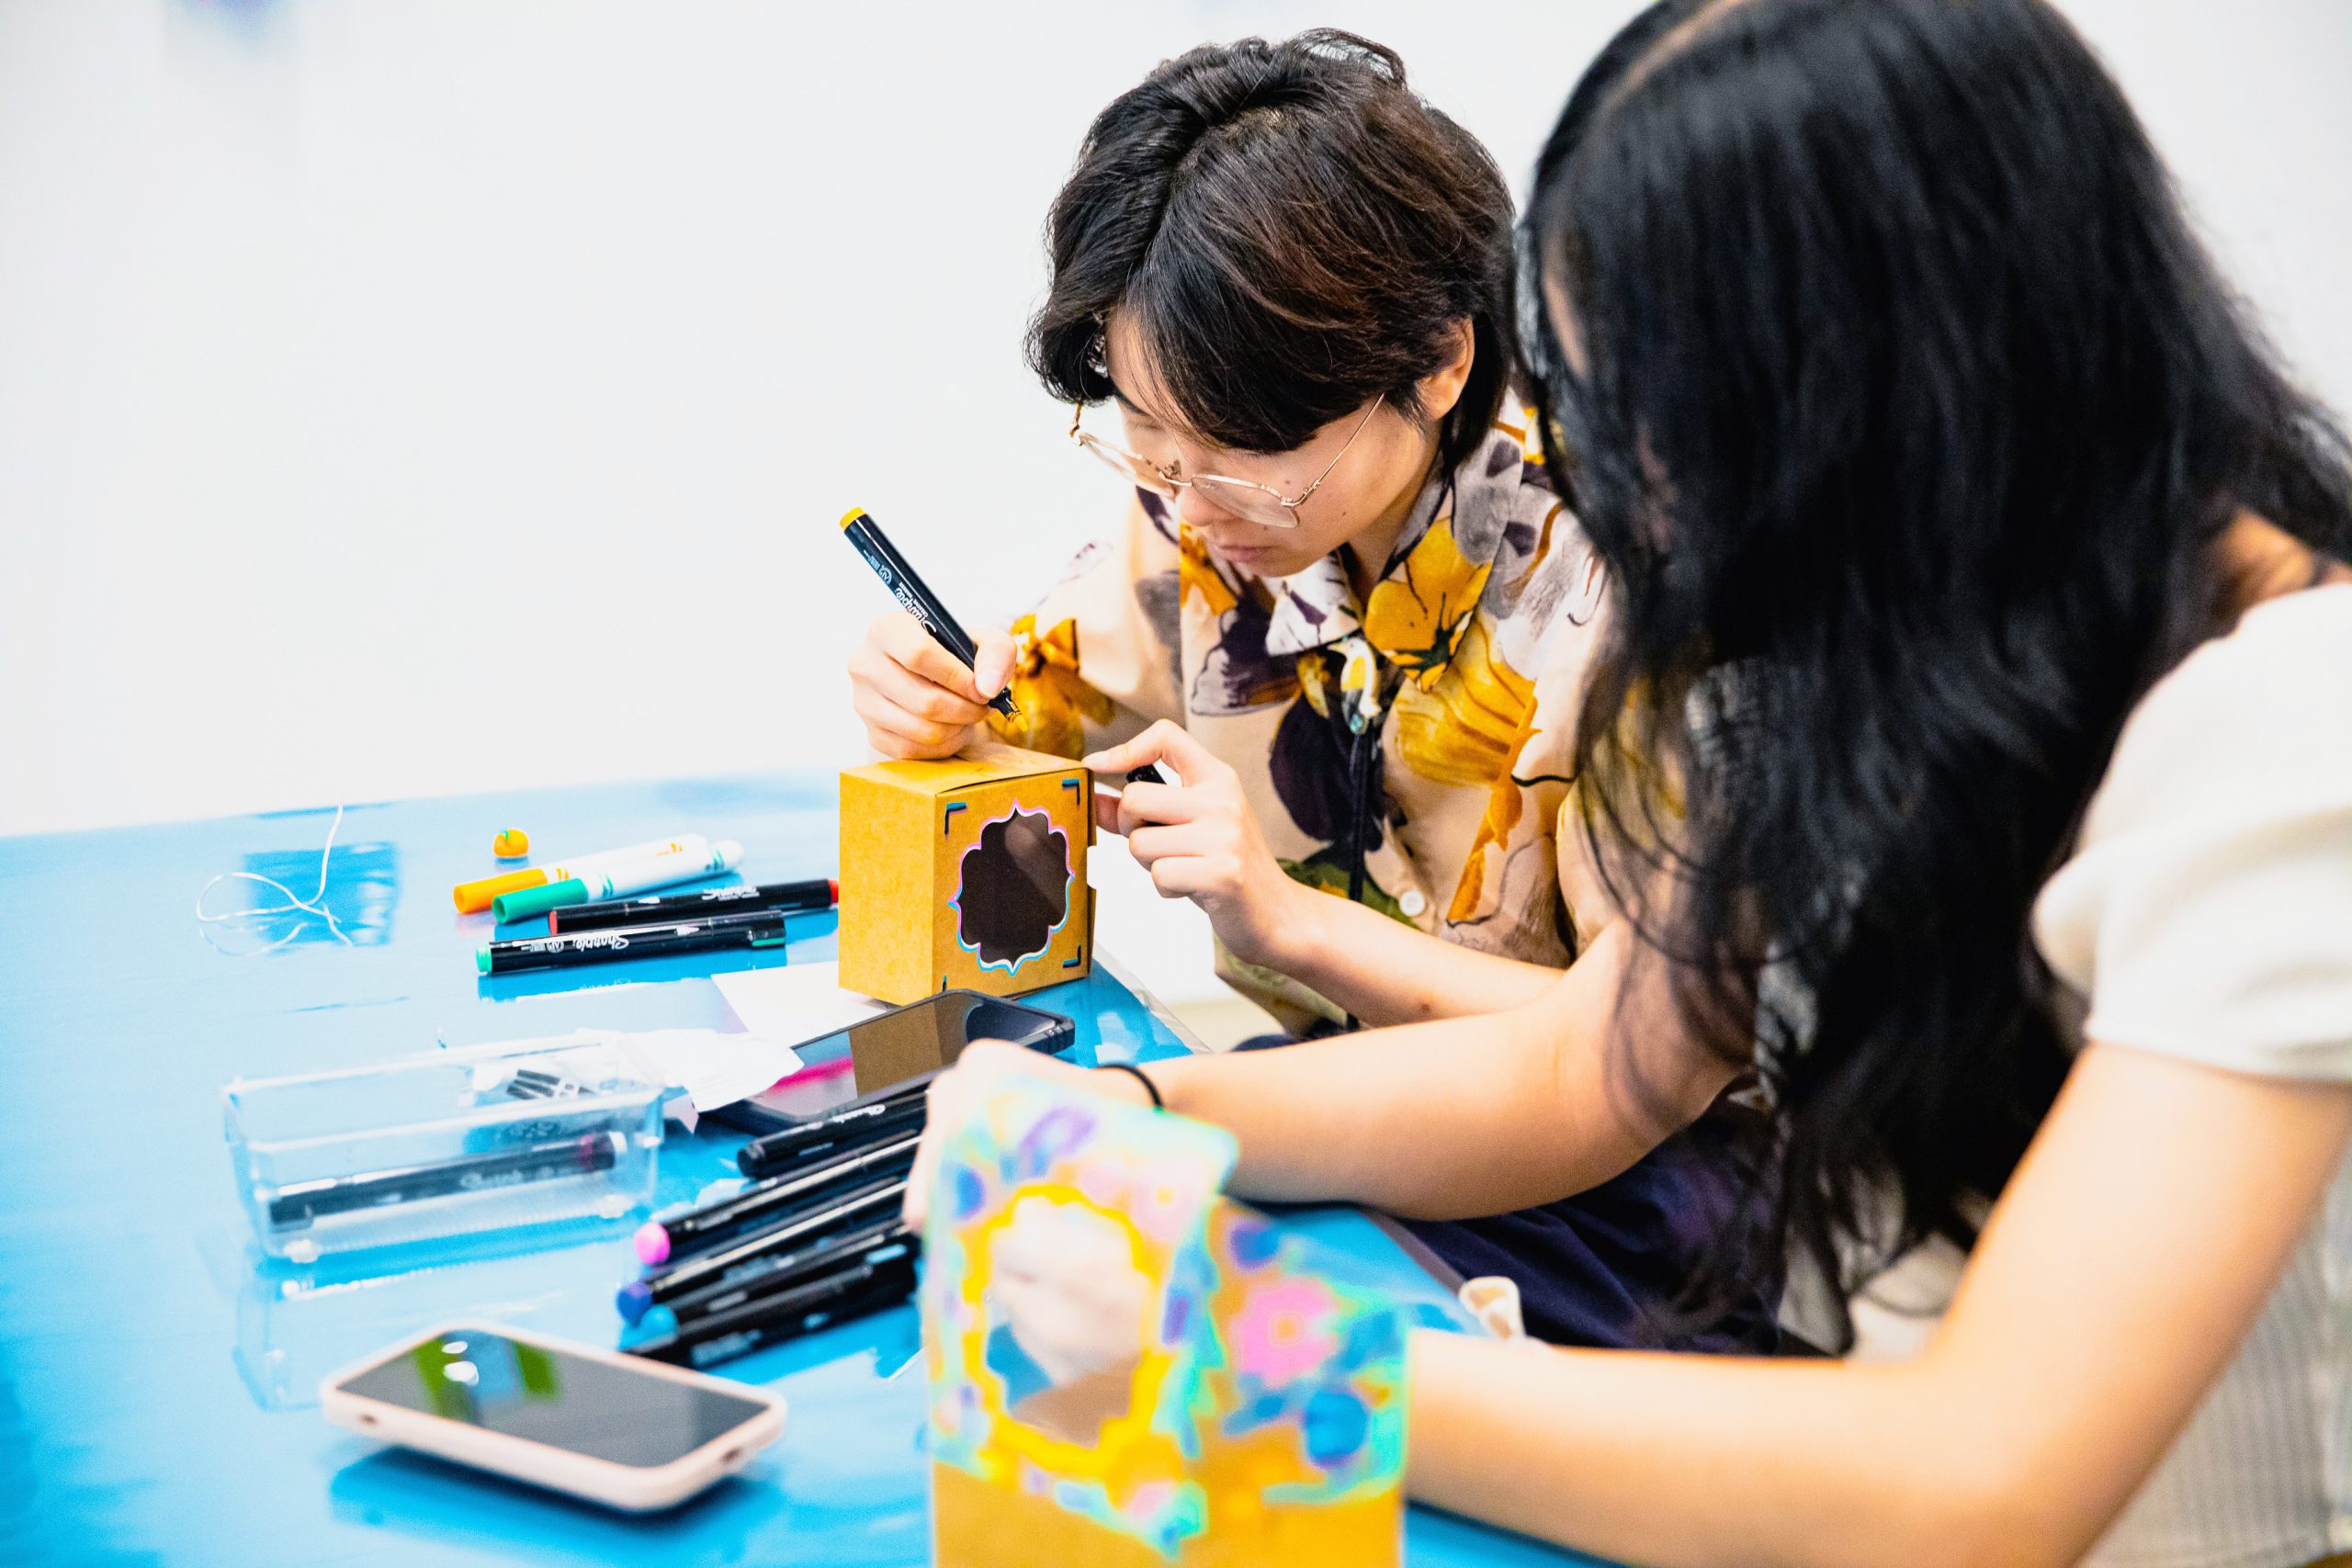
[619, 879]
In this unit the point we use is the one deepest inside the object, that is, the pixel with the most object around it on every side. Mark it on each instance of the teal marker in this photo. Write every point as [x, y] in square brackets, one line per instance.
[620, 879]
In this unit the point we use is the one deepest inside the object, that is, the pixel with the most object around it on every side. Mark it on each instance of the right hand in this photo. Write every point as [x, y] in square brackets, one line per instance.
[917, 700]
[1202, 841]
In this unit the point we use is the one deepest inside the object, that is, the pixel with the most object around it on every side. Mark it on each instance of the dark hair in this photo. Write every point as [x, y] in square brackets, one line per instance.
[1907, 415]
[1293, 233]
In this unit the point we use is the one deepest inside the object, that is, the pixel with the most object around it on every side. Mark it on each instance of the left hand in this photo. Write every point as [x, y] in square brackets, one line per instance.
[986, 1066]
[1202, 842]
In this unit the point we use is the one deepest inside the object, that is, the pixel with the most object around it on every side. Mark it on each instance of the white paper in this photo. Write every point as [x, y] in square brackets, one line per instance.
[797, 1002]
[715, 1069]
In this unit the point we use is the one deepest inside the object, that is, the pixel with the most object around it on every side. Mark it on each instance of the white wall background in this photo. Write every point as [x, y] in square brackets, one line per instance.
[405, 396]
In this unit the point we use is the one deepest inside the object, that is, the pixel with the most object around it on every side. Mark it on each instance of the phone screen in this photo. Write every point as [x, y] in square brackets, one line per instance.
[902, 1043]
[583, 1406]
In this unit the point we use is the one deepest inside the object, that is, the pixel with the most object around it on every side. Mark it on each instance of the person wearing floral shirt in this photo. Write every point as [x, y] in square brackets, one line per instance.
[1392, 747]
[1348, 609]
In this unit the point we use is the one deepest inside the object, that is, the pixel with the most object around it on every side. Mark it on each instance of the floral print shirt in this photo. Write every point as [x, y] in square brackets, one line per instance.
[1427, 730]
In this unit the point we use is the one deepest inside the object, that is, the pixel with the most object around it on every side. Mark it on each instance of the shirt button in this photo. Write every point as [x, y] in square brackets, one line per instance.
[1412, 903]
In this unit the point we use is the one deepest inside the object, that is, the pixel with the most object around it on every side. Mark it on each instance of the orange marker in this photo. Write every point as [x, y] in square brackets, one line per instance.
[472, 898]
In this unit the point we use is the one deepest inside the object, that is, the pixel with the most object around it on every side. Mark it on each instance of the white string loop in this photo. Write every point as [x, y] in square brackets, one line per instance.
[316, 904]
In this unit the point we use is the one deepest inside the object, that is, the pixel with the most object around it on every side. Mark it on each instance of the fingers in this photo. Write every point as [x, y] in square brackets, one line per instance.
[1142, 805]
[916, 1205]
[903, 640]
[911, 691]
[992, 665]
[1106, 811]
[1195, 876]
[945, 1103]
[1162, 741]
[897, 733]
[1186, 863]
[905, 713]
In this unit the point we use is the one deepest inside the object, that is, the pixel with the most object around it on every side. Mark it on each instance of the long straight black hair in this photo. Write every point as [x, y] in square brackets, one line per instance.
[1906, 411]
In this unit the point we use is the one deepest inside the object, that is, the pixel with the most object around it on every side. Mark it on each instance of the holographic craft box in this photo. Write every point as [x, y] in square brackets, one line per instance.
[966, 874]
[1127, 1369]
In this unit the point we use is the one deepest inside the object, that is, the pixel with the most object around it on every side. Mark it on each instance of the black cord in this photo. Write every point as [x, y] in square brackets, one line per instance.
[1366, 745]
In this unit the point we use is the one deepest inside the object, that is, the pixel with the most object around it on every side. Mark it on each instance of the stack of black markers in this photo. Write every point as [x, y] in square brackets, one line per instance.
[660, 925]
[814, 1240]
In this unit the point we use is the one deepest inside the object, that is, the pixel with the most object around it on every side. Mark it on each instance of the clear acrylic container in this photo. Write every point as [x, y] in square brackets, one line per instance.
[520, 1133]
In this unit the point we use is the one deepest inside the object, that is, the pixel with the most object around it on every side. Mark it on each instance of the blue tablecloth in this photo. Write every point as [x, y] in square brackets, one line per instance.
[157, 1379]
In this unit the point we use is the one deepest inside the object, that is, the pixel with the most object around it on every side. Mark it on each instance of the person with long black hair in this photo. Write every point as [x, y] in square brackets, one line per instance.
[1972, 760]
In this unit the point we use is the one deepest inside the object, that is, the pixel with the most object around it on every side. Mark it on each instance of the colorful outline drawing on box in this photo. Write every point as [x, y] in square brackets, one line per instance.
[1125, 1368]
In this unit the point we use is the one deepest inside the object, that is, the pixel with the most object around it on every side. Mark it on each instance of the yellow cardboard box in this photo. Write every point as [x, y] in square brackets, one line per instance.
[967, 873]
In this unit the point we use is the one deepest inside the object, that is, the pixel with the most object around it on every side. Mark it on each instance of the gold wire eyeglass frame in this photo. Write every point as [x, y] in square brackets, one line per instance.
[1230, 494]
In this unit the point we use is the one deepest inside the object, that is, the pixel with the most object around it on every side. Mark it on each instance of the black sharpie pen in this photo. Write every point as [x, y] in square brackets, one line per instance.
[294, 1206]
[762, 928]
[666, 908]
[913, 597]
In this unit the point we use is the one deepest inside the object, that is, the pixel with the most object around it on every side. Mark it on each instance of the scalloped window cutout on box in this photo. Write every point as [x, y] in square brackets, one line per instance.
[1013, 889]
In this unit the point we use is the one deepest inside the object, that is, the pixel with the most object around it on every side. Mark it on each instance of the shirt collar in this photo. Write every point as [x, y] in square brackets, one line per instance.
[1318, 607]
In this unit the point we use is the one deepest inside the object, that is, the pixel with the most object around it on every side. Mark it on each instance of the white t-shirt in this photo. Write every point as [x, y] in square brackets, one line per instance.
[2206, 914]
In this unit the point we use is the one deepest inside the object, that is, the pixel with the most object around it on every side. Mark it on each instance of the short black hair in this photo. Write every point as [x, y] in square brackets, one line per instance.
[1293, 232]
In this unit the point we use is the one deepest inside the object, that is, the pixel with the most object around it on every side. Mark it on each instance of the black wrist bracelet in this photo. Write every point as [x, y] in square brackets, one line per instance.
[1141, 1077]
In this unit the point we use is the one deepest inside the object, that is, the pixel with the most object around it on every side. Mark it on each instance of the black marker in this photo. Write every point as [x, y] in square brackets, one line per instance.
[876, 1244]
[761, 927]
[665, 908]
[914, 598]
[659, 1241]
[859, 1127]
[772, 1320]
[861, 1204]
[296, 1206]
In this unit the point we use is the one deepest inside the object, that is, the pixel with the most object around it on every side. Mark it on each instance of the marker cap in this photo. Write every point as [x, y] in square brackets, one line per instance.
[472, 898]
[482, 961]
[525, 902]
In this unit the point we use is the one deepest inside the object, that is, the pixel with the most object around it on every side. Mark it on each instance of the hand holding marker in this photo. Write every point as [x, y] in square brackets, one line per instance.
[914, 597]
[919, 601]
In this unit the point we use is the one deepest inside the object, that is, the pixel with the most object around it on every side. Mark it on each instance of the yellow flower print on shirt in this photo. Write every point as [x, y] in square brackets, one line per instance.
[1197, 574]
[1055, 705]
[1467, 726]
[1505, 802]
[1417, 613]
